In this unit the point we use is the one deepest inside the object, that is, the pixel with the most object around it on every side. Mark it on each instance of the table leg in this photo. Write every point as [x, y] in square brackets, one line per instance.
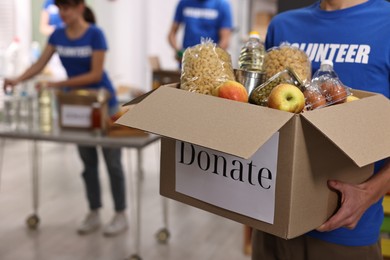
[33, 220]
[138, 199]
[163, 234]
[139, 177]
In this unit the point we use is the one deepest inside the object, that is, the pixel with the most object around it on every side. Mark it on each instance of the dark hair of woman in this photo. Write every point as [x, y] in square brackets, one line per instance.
[68, 2]
[88, 15]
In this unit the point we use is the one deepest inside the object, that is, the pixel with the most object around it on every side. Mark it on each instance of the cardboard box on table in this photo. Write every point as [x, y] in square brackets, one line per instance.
[338, 142]
[75, 108]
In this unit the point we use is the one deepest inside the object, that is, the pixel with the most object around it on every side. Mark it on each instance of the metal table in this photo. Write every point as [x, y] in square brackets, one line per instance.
[84, 138]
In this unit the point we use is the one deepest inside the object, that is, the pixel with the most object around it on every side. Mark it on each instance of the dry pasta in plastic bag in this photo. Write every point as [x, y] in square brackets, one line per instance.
[205, 66]
[287, 56]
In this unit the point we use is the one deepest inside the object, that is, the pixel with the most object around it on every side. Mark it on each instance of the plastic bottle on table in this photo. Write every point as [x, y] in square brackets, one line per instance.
[45, 109]
[252, 54]
[12, 58]
[9, 109]
[35, 51]
[24, 110]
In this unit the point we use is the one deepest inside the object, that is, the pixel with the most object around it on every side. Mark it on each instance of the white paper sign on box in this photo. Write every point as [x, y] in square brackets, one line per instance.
[243, 186]
[76, 116]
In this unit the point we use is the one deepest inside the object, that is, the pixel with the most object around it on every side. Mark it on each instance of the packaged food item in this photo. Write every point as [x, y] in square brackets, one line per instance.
[96, 117]
[252, 54]
[327, 84]
[287, 56]
[250, 79]
[259, 95]
[313, 98]
[45, 108]
[205, 66]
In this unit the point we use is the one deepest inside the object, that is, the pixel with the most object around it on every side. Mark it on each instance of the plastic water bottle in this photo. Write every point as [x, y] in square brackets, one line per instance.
[35, 51]
[325, 72]
[9, 109]
[45, 109]
[24, 110]
[252, 54]
[12, 58]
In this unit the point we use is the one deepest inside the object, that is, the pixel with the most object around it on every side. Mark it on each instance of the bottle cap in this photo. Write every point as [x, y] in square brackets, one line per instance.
[254, 34]
[327, 62]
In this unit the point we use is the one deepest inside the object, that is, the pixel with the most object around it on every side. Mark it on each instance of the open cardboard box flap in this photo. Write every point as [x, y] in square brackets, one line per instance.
[362, 136]
[228, 126]
[240, 129]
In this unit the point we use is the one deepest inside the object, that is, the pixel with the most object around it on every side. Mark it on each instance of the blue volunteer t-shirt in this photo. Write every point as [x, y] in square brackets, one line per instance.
[356, 39]
[52, 10]
[203, 19]
[76, 55]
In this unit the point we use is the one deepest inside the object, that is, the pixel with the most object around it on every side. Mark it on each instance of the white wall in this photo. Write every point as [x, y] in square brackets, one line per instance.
[161, 14]
[23, 29]
[123, 22]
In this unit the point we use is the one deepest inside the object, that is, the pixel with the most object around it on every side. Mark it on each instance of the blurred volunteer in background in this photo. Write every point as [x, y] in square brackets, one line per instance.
[355, 35]
[50, 20]
[201, 19]
[81, 47]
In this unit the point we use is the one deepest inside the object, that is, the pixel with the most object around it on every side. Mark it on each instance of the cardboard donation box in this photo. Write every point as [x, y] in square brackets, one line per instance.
[116, 130]
[75, 108]
[259, 166]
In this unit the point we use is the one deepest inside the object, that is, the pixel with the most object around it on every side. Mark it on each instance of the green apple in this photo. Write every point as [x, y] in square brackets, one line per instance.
[286, 97]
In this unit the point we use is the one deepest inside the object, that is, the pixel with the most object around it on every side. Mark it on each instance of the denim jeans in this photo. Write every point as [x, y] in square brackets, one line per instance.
[112, 158]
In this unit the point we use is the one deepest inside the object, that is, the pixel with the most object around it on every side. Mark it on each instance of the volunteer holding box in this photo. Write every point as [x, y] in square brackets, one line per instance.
[82, 47]
[355, 35]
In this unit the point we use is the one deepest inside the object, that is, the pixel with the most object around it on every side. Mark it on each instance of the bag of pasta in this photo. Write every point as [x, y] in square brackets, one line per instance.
[287, 56]
[204, 67]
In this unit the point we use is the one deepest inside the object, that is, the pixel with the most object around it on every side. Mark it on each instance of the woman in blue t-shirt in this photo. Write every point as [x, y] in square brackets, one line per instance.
[355, 35]
[81, 47]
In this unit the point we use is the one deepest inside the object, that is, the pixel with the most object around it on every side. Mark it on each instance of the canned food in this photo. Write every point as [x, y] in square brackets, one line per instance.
[250, 79]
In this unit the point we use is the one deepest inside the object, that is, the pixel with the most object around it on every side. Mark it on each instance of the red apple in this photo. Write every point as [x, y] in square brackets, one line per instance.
[232, 90]
[286, 97]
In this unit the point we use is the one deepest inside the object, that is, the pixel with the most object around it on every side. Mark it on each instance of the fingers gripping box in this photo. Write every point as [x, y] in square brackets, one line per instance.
[259, 166]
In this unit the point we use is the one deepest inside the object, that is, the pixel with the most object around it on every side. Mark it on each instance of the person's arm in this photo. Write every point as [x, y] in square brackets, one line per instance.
[224, 38]
[44, 27]
[172, 36]
[34, 69]
[225, 25]
[93, 76]
[356, 199]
